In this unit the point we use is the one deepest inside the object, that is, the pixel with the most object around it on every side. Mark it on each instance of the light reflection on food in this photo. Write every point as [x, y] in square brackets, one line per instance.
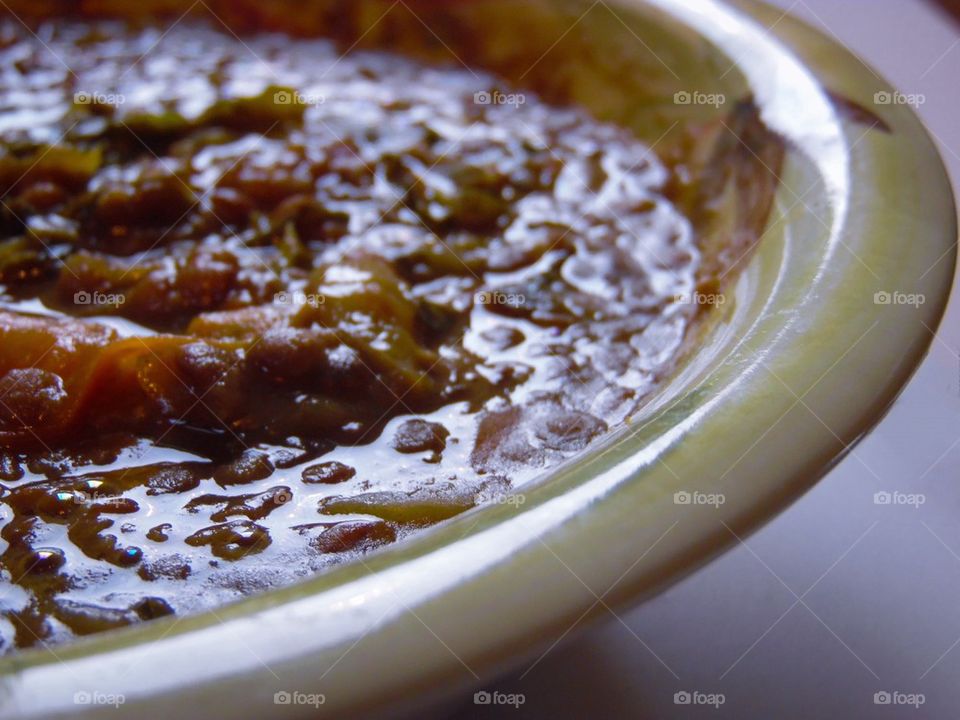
[267, 307]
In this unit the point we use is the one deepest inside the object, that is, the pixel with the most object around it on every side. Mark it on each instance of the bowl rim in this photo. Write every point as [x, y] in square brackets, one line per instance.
[504, 552]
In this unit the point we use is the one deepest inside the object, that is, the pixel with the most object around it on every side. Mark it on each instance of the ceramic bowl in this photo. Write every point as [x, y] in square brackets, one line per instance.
[831, 313]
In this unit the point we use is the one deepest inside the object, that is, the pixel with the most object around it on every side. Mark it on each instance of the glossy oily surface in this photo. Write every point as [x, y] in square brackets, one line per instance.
[800, 315]
[289, 311]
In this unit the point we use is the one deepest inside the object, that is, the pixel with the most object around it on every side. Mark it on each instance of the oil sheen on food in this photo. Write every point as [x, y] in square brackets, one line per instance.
[265, 308]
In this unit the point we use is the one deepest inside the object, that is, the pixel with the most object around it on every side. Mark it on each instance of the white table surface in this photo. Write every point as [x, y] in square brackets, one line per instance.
[878, 586]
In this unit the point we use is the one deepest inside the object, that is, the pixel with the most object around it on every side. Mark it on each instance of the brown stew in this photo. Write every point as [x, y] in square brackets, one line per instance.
[267, 306]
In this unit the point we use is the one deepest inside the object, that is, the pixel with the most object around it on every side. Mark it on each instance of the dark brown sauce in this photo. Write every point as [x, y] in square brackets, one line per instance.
[266, 307]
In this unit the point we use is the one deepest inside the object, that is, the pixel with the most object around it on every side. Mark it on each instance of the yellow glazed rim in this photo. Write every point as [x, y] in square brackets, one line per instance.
[806, 359]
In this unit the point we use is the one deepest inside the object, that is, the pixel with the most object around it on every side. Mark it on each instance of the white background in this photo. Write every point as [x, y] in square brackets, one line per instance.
[879, 585]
